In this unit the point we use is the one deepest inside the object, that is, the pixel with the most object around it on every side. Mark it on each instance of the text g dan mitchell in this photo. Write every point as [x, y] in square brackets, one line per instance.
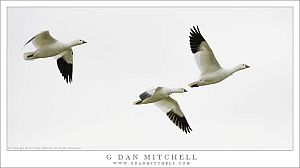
[152, 157]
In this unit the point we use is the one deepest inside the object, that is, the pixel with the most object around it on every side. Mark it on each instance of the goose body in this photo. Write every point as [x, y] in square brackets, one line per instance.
[48, 50]
[153, 95]
[211, 70]
[47, 46]
[160, 96]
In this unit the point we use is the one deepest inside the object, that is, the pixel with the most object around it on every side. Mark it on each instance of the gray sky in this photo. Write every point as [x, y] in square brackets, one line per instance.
[132, 49]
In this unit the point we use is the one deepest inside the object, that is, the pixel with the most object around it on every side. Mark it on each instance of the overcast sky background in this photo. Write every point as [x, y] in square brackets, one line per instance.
[132, 49]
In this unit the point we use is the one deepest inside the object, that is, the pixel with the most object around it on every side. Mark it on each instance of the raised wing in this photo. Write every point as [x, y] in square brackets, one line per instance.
[65, 65]
[41, 39]
[204, 56]
[149, 93]
[173, 111]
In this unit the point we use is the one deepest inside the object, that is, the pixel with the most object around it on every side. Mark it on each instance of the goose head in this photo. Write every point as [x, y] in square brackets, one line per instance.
[77, 42]
[237, 68]
[178, 90]
[243, 66]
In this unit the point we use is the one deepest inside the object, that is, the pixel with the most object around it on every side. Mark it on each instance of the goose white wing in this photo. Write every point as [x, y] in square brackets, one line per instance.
[173, 111]
[65, 65]
[149, 93]
[204, 56]
[42, 39]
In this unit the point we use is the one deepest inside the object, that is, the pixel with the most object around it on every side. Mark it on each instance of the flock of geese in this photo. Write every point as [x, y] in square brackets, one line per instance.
[210, 69]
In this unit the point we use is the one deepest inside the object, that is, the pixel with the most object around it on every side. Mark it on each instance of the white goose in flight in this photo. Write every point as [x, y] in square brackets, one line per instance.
[160, 96]
[47, 46]
[211, 71]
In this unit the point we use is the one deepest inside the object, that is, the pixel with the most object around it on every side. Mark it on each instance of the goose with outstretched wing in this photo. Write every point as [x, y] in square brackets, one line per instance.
[211, 70]
[160, 96]
[47, 46]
